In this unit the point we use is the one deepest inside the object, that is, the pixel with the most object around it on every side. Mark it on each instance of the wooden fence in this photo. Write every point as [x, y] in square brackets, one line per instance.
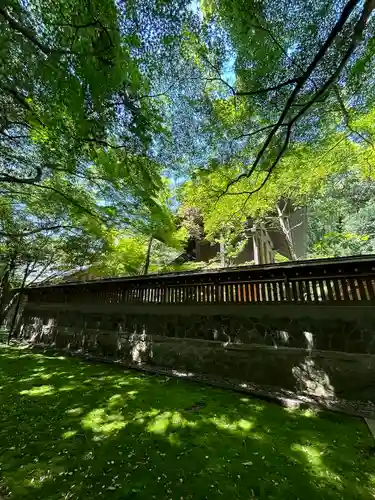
[340, 280]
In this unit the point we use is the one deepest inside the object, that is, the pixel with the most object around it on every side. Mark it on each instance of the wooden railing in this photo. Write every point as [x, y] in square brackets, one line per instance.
[341, 280]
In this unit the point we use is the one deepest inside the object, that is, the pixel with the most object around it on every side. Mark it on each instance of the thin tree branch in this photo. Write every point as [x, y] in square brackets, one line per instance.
[22, 100]
[346, 115]
[45, 49]
[249, 134]
[35, 231]
[13, 137]
[7, 124]
[40, 273]
[265, 90]
[357, 33]
[296, 225]
[218, 78]
[4, 177]
[71, 200]
[18, 97]
[27, 33]
[283, 50]
[102, 142]
[157, 95]
[333, 147]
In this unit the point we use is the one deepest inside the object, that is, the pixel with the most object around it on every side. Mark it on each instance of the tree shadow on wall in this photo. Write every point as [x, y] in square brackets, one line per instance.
[81, 431]
[284, 354]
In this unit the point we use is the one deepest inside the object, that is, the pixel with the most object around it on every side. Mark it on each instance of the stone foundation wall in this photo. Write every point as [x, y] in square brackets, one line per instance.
[324, 357]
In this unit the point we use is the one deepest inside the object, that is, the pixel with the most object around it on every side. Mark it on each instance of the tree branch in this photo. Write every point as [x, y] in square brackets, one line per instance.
[357, 33]
[346, 116]
[291, 81]
[218, 78]
[35, 231]
[156, 95]
[18, 97]
[4, 177]
[30, 35]
[22, 100]
[13, 137]
[102, 142]
[91, 24]
[27, 33]
[71, 200]
[283, 50]
[46, 266]
[249, 134]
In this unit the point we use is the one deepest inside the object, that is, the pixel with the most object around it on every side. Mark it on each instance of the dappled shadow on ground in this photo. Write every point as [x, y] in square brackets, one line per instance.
[71, 430]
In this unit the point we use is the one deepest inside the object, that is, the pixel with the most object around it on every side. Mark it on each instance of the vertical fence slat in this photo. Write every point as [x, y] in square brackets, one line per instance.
[302, 290]
[215, 293]
[260, 289]
[315, 290]
[344, 288]
[304, 293]
[287, 286]
[230, 292]
[294, 291]
[370, 288]
[328, 287]
[361, 289]
[250, 292]
[268, 291]
[321, 289]
[198, 293]
[244, 293]
[256, 292]
[353, 289]
[311, 291]
[336, 287]
[219, 291]
[234, 292]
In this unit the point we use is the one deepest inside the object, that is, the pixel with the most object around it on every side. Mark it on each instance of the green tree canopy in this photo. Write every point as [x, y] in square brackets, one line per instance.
[104, 103]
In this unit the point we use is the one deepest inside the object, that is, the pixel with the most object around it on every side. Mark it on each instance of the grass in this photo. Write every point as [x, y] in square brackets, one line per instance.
[72, 430]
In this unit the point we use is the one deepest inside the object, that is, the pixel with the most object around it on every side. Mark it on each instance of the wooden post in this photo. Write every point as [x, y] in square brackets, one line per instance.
[222, 250]
[255, 245]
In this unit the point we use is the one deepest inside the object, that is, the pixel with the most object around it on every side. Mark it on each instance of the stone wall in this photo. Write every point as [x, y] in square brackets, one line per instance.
[321, 356]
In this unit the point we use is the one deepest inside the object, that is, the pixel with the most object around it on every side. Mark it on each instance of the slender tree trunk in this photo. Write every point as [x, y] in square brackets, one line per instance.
[285, 227]
[20, 295]
[4, 289]
[148, 255]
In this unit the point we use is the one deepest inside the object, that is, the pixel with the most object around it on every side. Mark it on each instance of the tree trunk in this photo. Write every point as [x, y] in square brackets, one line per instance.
[148, 255]
[20, 294]
[4, 289]
[285, 227]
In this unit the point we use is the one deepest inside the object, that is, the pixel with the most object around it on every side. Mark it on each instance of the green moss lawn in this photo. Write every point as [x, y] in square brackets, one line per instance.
[72, 430]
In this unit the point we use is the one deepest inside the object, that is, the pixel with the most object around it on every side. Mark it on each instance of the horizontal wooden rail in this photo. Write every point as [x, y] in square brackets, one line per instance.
[325, 281]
